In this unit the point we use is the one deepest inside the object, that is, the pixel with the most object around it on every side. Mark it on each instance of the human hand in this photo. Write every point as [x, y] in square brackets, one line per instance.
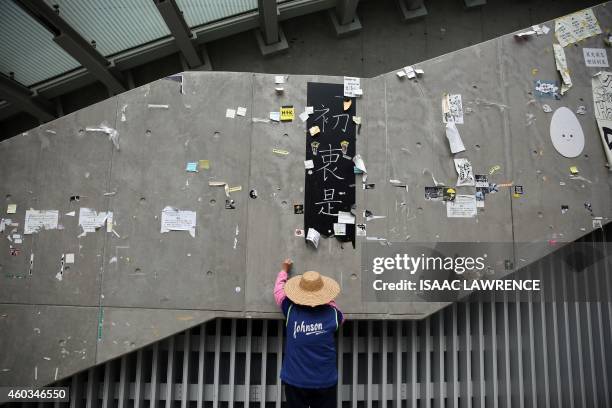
[287, 265]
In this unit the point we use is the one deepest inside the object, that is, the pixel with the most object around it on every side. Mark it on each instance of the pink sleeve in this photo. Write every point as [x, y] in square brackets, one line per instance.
[279, 287]
[333, 304]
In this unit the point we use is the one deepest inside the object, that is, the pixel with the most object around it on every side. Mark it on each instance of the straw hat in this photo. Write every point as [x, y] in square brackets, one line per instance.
[311, 289]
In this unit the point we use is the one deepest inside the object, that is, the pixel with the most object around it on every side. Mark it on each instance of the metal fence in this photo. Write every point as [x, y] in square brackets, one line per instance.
[471, 354]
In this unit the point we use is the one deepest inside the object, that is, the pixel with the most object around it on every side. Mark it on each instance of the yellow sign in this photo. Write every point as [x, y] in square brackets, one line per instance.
[287, 113]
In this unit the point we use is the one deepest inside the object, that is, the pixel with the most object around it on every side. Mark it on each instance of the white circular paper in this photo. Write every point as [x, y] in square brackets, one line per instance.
[566, 133]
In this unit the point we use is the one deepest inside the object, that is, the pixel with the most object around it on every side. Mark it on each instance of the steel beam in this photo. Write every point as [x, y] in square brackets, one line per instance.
[22, 98]
[179, 29]
[74, 44]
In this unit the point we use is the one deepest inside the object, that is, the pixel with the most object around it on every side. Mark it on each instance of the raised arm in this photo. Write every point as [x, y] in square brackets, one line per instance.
[281, 279]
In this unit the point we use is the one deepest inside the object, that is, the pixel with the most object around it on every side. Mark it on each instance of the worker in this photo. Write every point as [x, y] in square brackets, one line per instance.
[312, 318]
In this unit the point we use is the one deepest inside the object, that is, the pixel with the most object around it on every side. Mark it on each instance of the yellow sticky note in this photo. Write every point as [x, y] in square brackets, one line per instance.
[280, 151]
[11, 209]
[314, 130]
[234, 189]
[204, 164]
[287, 113]
[574, 170]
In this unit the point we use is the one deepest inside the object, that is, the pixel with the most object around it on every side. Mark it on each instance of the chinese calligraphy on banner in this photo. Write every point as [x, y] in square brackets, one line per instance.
[330, 183]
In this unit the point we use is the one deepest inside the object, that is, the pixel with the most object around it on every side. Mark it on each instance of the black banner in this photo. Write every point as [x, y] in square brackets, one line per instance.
[330, 184]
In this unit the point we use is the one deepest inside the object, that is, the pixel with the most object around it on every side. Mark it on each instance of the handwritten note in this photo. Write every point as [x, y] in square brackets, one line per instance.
[352, 86]
[576, 27]
[452, 109]
[90, 220]
[313, 237]
[464, 206]
[37, 220]
[173, 219]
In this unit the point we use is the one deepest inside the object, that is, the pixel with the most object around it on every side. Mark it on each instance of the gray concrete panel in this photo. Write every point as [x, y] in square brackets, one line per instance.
[45, 343]
[171, 270]
[127, 329]
[18, 169]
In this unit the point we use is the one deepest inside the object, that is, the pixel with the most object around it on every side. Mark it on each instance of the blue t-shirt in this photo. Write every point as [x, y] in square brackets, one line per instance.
[310, 351]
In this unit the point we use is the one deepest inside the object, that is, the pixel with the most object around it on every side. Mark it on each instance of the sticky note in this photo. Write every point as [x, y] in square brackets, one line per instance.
[230, 113]
[204, 164]
[574, 170]
[309, 110]
[308, 164]
[69, 259]
[314, 131]
[241, 111]
[279, 79]
[303, 116]
[280, 151]
[400, 74]
[11, 209]
[192, 167]
[287, 113]
[275, 116]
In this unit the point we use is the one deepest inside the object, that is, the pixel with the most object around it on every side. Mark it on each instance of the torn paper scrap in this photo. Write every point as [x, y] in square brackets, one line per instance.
[359, 164]
[308, 164]
[303, 116]
[158, 106]
[525, 34]
[279, 79]
[410, 72]
[313, 237]
[339, 229]
[275, 116]
[309, 110]
[595, 57]
[576, 27]
[464, 206]
[454, 139]
[605, 131]
[401, 74]
[546, 108]
[352, 86]
[452, 109]
[220, 184]
[37, 220]
[465, 174]
[581, 110]
[241, 111]
[602, 94]
[562, 68]
[113, 134]
[90, 220]
[173, 219]
[345, 217]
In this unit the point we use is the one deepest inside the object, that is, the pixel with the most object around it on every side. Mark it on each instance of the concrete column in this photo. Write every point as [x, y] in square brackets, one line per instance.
[344, 17]
[270, 37]
[411, 9]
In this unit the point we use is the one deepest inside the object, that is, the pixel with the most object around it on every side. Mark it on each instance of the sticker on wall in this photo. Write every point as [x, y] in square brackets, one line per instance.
[566, 133]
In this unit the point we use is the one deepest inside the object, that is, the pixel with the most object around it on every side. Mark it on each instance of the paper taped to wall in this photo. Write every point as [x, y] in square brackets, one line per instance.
[173, 219]
[576, 27]
[37, 220]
